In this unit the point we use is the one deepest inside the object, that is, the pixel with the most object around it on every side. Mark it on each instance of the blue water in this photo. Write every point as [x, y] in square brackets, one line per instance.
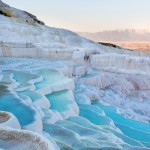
[98, 118]
[50, 78]
[137, 130]
[85, 123]
[33, 95]
[11, 103]
[23, 77]
[59, 101]
[135, 134]
[94, 115]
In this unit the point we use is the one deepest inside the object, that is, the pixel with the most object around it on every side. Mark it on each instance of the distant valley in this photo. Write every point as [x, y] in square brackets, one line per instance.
[127, 38]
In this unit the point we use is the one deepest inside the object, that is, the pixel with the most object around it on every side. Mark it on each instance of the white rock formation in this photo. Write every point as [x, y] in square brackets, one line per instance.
[138, 65]
[84, 96]
[24, 140]
[9, 120]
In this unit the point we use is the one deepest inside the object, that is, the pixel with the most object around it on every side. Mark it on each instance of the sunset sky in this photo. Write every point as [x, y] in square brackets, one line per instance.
[89, 15]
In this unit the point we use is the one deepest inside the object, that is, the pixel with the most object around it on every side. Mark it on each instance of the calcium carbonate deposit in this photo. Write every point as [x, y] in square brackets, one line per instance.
[59, 91]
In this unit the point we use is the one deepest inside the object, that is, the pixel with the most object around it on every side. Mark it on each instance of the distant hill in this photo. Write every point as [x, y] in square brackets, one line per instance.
[125, 35]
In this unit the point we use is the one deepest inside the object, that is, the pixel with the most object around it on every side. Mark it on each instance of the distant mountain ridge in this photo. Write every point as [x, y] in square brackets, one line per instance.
[123, 35]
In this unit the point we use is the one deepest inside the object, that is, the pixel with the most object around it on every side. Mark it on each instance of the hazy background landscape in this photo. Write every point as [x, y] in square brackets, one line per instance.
[60, 91]
[126, 38]
[114, 21]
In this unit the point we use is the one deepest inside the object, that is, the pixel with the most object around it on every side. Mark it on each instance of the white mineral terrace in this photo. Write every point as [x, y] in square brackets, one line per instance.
[60, 91]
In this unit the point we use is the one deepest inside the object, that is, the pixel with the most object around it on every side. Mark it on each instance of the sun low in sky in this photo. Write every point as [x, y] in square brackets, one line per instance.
[89, 15]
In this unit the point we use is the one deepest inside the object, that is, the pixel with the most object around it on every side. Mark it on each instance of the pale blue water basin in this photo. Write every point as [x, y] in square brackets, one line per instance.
[93, 108]
[105, 129]
[120, 119]
[9, 102]
[95, 116]
[6, 77]
[23, 77]
[90, 75]
[137, 130]
[50, 78]
[138, 135]
[100, 135]
[59, 101]
[33, 95]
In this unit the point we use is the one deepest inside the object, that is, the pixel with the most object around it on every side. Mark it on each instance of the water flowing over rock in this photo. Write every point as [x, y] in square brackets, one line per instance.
[60, 91]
